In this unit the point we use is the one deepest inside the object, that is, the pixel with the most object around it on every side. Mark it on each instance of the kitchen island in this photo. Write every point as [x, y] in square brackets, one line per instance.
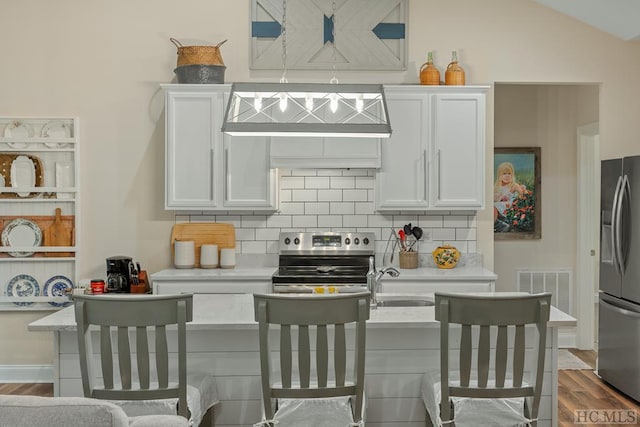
[402, 343]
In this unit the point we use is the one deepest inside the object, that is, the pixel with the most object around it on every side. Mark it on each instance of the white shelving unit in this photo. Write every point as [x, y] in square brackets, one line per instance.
[47, 147]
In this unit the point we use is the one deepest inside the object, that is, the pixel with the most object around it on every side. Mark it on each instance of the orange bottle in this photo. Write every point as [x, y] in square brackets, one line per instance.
[455, 73]
[429, 74]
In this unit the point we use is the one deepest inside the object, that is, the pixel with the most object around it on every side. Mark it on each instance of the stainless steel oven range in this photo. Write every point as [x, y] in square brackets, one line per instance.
[309, 260]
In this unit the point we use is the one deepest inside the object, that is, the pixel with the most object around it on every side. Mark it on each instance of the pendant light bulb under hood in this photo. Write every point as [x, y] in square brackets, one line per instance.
[333, 102]
[257, 102]
[283, 102]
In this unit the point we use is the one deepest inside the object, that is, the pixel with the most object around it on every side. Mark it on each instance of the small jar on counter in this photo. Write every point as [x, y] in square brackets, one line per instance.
[98, 286]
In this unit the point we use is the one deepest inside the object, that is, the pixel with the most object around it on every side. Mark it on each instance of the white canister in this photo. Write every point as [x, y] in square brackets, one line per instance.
[208, 256]
[227, 258]
[184, 254]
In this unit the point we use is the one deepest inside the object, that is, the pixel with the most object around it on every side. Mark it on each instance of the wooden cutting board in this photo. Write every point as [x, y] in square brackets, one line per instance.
[215, 233]
[58, 234]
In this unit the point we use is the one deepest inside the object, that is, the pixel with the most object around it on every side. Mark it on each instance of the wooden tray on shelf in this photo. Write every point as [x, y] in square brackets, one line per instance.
[56, 231]
[215, 233]
[5, 171]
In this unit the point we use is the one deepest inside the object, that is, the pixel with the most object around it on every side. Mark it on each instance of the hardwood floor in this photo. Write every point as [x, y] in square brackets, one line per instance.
[577, 390]
[580, 390]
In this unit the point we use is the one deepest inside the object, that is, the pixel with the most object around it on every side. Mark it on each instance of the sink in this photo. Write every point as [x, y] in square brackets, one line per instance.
[404, 301]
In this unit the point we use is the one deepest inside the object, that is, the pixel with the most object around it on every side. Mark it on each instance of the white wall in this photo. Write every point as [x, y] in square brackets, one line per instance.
[545, 116]
[103, 61]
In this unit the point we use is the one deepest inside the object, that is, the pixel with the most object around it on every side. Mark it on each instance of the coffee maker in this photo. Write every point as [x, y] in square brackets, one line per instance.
[119, 270]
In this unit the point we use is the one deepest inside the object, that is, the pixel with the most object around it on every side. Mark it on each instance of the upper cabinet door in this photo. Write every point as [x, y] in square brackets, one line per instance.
[458, 150]
[402, 181]
[192, 133]
[249, 179]
[205, 169]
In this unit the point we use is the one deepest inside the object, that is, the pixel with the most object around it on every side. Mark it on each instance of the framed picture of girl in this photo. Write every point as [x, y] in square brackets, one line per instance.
[516, 193]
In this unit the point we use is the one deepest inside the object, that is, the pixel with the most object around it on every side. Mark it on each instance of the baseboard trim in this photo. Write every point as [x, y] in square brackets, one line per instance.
[26, 373]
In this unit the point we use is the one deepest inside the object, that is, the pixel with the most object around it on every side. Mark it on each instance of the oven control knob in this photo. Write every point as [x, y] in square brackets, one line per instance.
[296, 241]
[347, 241]
[365, 241]
[287, 240]
[356, 241]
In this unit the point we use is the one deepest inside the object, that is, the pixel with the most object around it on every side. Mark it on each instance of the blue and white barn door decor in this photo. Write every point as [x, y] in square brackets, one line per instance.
[369, 34]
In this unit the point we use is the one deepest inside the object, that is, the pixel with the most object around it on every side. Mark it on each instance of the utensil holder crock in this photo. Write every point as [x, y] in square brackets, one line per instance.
[408, 259]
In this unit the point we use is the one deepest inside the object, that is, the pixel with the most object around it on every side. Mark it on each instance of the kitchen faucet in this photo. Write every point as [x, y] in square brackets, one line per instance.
[373, 279]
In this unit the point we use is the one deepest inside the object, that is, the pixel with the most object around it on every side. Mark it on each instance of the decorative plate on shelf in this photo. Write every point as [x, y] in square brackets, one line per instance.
[23, 174]
[21, 232]
[23, 285]
[57, 286]
[56, 129]
[17, 129]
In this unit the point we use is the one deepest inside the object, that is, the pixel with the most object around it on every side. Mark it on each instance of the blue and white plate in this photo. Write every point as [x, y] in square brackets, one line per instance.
[23, 285]
[57, 286]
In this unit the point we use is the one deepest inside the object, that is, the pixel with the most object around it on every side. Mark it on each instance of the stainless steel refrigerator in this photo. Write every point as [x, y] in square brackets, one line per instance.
[619, 301]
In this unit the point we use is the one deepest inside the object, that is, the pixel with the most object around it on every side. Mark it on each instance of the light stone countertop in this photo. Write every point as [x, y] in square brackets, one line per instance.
[235, 311]
[202, 274]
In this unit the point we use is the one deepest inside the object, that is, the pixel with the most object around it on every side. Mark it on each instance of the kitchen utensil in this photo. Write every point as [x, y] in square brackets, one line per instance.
[403, 237]
[216, 233]
[407, 229]
[417, 232]
[228, 258]
[58, 234]
[446, 256]
[184, 254]
[408, 259]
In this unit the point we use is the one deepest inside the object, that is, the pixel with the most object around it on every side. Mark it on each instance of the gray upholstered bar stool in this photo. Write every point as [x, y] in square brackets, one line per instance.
[145, 319]
[487, 395]
[331, 397]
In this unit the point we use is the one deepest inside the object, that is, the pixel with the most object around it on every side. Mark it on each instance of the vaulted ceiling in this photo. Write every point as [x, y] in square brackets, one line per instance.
[618, 17]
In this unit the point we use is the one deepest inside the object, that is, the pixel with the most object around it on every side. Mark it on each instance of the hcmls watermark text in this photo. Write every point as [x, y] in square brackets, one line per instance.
[605, 416]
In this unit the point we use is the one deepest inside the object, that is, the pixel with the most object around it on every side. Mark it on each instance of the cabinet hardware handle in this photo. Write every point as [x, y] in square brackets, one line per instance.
[425, 180]
[438, 177]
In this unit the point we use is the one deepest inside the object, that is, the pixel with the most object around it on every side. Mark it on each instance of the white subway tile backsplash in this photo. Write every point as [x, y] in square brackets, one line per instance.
[342, 208]
[292, 208]
[279, 221]
[304, 172]
[364, 182]
[254, 221]
[329, 195]
[338, 200]
[292, 182]
[354, 195]
[267, 233]
[319, 208]
[304, 221]
[354, 221]
[316, 182]
[255, 247]
[343, 182]
[305, 195]
[465, 234]
[448, 234]
[330, 172]
[246, 234]
[455, 221]
[330, 221]
[364, 208]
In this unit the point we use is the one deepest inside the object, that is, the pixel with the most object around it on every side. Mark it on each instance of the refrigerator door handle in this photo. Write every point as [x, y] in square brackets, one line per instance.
[615, 225]
[623, 311]
[625, 190]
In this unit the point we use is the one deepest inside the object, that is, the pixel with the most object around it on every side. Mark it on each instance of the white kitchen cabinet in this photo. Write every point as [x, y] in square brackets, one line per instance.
[39, 175]
[435, 157]
[205, 169]
[212, 287]
[458, 150]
